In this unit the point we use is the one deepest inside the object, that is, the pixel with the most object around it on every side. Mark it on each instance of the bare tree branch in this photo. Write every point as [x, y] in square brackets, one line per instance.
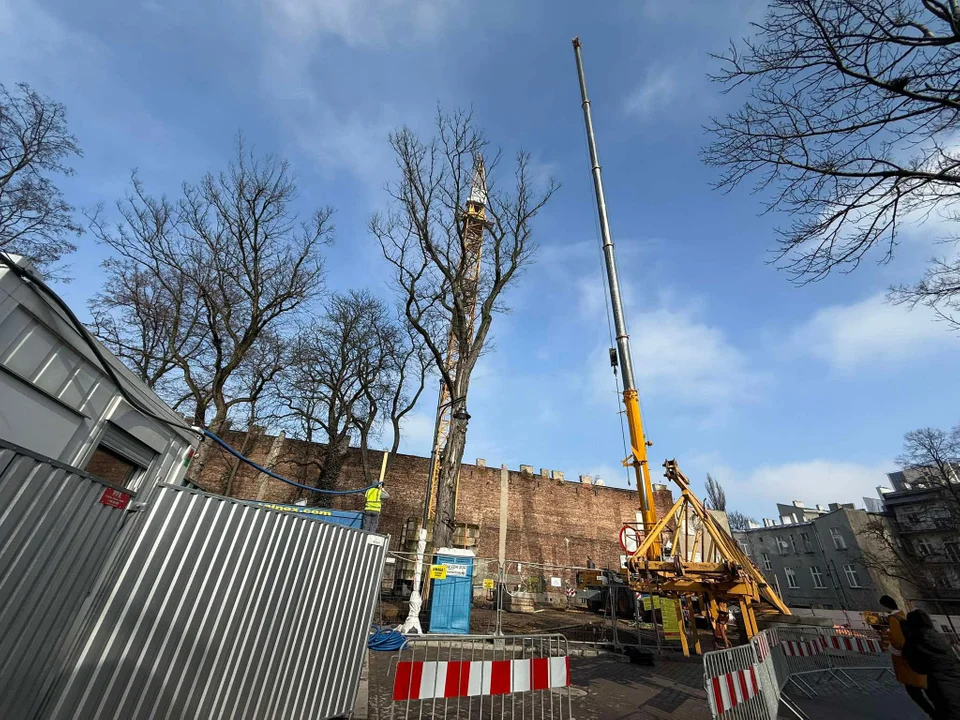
[848, 127]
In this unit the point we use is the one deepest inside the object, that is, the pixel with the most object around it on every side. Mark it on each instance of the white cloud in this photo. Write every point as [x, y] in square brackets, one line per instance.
[357, 22]
[693, 362]
[416, 433]
[658, 89]
[810, 481]
[871, 331]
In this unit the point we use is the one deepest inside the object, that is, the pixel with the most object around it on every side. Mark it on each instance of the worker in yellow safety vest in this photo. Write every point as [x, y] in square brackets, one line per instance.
[913, 682]
[374, 498]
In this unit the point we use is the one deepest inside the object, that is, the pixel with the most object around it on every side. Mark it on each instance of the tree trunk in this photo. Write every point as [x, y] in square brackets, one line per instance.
[330, 470]
[452, 457]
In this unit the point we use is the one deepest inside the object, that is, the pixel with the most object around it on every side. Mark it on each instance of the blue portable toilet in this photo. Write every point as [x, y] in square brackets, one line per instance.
[451, 598]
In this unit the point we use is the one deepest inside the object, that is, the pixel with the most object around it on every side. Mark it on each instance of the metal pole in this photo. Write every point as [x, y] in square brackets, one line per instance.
[613, 279]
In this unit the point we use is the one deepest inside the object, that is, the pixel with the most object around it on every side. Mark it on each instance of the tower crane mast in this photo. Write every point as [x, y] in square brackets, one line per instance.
[474, 223]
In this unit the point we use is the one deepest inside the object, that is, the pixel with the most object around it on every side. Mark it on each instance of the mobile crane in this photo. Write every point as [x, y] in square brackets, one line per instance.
[704, 561]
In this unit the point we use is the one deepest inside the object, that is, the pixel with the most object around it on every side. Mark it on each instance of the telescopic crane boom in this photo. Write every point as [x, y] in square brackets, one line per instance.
[704, 561]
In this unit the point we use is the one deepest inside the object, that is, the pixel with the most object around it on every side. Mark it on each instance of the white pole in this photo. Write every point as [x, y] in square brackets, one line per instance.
[412, 623]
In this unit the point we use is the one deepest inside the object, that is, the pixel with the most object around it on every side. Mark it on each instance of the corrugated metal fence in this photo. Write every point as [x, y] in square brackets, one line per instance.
[55, 537]
[223, 609]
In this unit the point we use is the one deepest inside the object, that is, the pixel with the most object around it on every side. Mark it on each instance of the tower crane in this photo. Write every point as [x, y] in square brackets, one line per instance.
[466, 284]
[703, 560]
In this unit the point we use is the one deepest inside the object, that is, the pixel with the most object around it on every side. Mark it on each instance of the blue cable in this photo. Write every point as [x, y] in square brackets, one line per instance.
[385, 639]
[262, 469]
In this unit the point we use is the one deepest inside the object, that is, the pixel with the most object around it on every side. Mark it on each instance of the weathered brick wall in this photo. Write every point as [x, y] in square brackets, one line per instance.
[548, 521]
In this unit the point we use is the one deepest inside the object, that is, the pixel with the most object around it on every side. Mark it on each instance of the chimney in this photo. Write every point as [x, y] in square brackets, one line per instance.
[753, 524]
[821, 508]
[834, 506]
[798, 503]
[481, 462]
[557, 474]
[599, 482]
[786, 520]
[526, 469]
[767, 522]
[586, 480]
[544, 473]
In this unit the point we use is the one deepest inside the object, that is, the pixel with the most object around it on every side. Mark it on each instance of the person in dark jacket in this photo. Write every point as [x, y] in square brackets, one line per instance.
[928, 652]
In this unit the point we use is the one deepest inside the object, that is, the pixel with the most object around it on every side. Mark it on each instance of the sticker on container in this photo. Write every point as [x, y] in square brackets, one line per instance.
[115, 499]
[456, 570]
[438, 572]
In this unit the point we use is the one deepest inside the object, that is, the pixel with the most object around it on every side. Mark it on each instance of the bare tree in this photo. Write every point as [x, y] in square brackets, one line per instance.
[930, 461]
[423, 237]
[337, 376]
[716, 497]
[254, 389]
[195, 284]
[739, 521]
[35, 220]
[849, 128]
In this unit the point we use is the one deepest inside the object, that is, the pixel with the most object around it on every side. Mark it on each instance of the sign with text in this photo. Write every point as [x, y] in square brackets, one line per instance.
[115, 499]
[556, 582]
[488, 584]
[671, 619]
[438, 572]
[455, 570]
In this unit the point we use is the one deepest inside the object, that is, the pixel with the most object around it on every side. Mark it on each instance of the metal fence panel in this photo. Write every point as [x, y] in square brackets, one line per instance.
[483, 676]
[224, 609]
[734, 686]
[55, 537]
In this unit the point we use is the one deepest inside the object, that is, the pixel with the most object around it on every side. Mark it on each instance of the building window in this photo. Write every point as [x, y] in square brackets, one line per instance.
[924, 548]
[952, 551]
[853, 579]
[793, 542]
[782, 545]
[109, 466]
[817, 578]
[807, 545]
[791, 578]
[744, 547]
[766, 562]
[838, 542]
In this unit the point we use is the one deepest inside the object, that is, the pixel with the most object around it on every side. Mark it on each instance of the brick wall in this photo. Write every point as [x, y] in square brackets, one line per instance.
[548, 521]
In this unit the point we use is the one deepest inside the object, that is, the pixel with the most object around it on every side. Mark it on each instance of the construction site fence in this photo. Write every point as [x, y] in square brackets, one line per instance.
[515, 598]
[751, 681]
[482, 676]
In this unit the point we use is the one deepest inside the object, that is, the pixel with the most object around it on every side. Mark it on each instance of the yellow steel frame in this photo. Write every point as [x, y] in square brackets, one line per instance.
[712, 566]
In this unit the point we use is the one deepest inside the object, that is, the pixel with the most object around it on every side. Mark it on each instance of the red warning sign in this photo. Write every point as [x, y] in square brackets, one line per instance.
[115, 498]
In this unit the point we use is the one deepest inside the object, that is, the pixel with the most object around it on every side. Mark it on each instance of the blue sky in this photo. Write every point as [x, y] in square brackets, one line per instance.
[781, 392]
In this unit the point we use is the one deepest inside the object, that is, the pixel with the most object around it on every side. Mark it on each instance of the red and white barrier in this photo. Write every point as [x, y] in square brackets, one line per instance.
[860, 645]
[809, 648]
[732, 689]
[442, 679]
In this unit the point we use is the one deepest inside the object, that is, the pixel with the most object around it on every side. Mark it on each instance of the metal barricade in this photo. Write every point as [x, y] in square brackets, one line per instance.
[855, 650]
[800, 655]
[735, 686]
[483, 676]
[766, 668]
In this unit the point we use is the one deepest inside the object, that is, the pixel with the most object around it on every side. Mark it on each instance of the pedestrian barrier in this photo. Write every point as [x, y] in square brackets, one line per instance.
[749, 681]
[733, 683]
[483, 676]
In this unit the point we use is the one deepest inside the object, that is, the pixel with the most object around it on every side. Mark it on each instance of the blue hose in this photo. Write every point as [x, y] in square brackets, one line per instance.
[262, 469]
[385, 639]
